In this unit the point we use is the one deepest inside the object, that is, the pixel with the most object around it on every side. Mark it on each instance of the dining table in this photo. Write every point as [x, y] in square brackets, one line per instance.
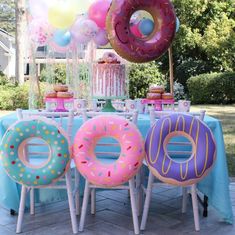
[215, 185]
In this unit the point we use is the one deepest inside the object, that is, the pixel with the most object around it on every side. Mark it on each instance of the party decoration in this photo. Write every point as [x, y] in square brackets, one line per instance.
[195, 167]
[19, 168]
[84, 30]
[133, 48]
[98, 12]
[39, 31]
[146, 26]
[62, 15]
[62, 38]
[134, 28]
[101, 38]
[119, 171]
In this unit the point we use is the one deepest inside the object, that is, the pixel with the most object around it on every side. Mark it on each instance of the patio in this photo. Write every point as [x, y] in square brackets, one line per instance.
[114, 216]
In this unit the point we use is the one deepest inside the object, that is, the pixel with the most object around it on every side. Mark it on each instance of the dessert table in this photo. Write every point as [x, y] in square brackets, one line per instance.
[215, 185]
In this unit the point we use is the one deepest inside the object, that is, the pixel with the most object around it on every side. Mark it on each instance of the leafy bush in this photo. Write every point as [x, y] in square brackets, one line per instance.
[141, 76]
[178, 91]
[13, 97]
[214, 88]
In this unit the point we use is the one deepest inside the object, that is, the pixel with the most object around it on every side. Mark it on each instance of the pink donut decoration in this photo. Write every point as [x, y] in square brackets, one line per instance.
[129, 161]
[126, 43]
[203, 149]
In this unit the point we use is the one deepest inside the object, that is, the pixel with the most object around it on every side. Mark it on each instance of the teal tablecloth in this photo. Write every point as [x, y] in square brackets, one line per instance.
[215, 185]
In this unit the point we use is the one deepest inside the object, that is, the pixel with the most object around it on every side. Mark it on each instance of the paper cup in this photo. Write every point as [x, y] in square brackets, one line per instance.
[184, 105]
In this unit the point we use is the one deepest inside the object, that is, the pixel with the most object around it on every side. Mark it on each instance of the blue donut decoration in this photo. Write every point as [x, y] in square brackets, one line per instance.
[194, 168]
[14, 160]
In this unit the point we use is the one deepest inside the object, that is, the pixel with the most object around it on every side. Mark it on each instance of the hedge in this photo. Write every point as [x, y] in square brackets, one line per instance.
[213, 88]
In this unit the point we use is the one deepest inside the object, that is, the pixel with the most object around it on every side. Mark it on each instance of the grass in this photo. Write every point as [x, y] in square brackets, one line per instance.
[225, 113]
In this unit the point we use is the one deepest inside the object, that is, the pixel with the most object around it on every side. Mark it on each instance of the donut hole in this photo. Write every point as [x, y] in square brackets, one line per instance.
[142, 24]
[34, 153]
[179, 147]
[107, 150]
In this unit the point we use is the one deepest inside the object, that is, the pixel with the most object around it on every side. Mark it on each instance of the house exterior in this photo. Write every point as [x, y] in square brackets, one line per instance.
[7, 53]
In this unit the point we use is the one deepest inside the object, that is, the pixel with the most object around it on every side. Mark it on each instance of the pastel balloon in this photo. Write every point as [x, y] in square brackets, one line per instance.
[62, 38]
[82, 6]
[62, 15]
[135, 30]
[84, 30]
[177, 24]
[101, 38]
[146, 26]
[98, 12]
[56, 48]
[39, 31]
[38, 9]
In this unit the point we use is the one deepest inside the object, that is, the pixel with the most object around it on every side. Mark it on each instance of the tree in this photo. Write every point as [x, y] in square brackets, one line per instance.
[7, 15]
[206, 39]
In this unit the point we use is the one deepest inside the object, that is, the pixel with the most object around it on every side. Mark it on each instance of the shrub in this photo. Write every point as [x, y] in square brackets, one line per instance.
[178, 91]
[213, 88]
[141, 76]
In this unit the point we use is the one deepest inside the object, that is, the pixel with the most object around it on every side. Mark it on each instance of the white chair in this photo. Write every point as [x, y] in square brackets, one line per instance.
[91, 189]
[148, 191]
[65, 183]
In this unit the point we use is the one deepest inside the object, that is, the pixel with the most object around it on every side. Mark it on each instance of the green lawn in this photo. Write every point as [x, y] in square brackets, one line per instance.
[226, 113]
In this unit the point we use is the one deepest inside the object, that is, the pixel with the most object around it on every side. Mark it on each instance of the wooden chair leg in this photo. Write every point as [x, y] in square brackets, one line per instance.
[71, 201]
[93, 201]
[147, 201]
[184, 199]
[32, 201]
[21, 209]
[195, 207]
[134, 206]
[84, 206]
[77, 192]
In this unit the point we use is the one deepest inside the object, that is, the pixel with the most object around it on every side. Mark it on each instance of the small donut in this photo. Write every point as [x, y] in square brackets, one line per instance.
[129, 161]
[138, 49]
[203, 149]
[15, 162]
[65, 94]
[156, 89]
[61, 88]
[51, 94]
[167, 96]
[154, 96]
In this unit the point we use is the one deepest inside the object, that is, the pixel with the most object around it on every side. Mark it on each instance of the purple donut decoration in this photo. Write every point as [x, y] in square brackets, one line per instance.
[134, 48]
[203, 149]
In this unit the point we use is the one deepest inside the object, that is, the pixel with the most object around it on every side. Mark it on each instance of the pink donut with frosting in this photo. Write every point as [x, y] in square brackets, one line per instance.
[139, 49]
[129, 161]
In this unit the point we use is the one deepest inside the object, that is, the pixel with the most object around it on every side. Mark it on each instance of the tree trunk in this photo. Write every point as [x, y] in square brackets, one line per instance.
[20, 24]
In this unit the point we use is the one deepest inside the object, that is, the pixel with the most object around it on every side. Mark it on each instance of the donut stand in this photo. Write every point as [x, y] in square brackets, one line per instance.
[158, 103]
[60, 103]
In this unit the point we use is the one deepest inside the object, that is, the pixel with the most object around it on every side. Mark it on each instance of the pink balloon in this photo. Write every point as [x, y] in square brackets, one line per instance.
[40, 31]
[101, 38]
[56, 48]
[98, 12]
[84, 30]
[135, 30]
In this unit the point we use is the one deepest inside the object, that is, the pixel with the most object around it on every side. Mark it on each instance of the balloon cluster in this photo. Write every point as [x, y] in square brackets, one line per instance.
[64, 24]
[145, 26]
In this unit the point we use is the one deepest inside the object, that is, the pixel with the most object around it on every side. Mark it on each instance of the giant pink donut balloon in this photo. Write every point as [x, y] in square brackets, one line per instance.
[203, 152]
[128, 45]
[129, 161]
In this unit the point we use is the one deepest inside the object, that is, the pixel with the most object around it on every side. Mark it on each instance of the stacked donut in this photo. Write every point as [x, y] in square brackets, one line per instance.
[60, 91]
[158, 93]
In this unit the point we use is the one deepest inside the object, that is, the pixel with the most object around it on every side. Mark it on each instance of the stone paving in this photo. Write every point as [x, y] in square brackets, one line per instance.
[113, 217]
